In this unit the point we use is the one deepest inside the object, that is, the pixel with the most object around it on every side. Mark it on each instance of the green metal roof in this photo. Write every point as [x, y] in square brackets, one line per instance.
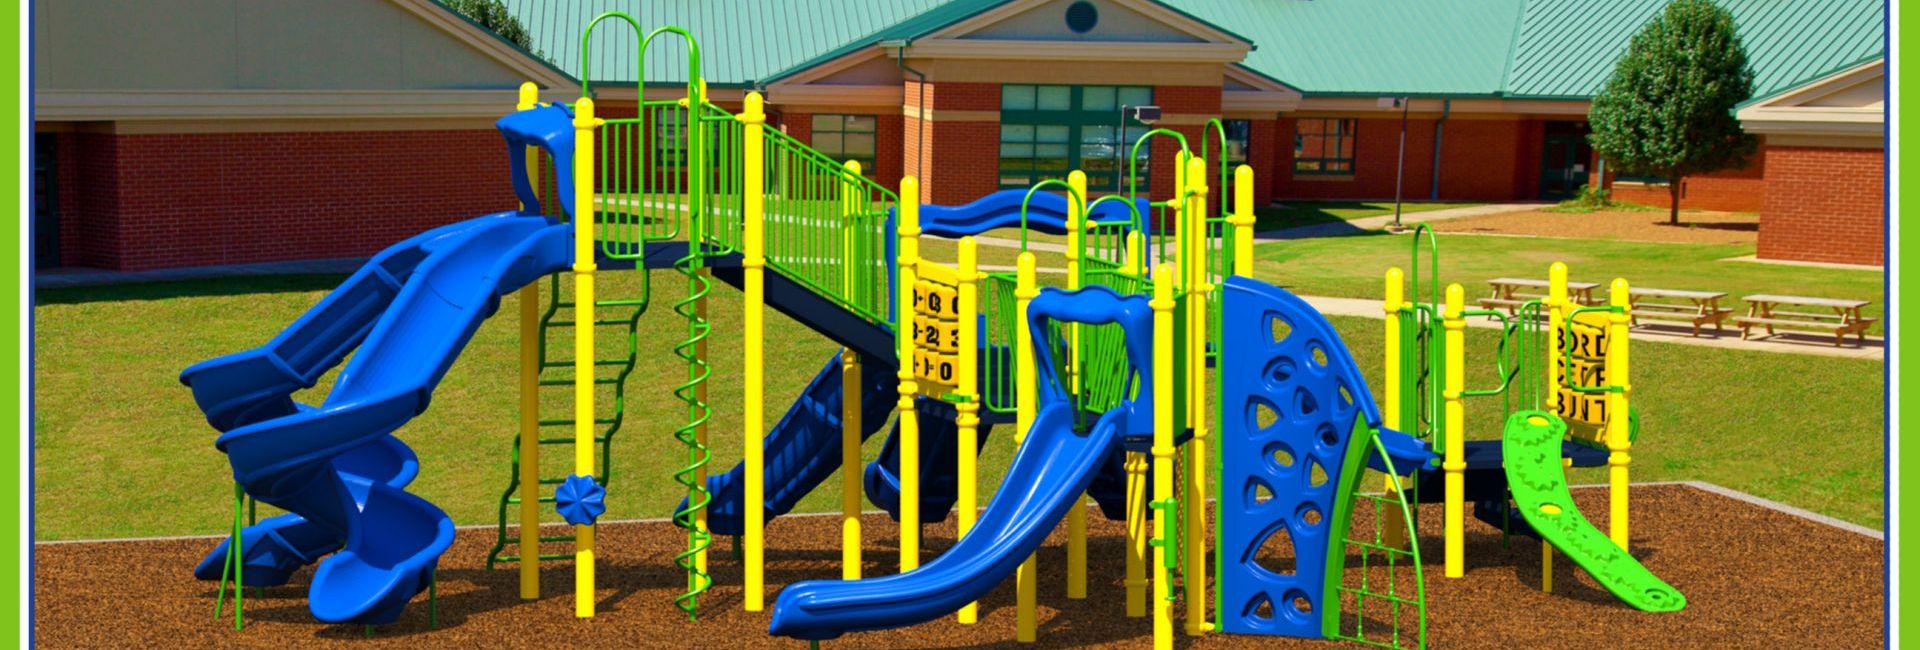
[1566, 48]
[1373, 47]
[1458, 48]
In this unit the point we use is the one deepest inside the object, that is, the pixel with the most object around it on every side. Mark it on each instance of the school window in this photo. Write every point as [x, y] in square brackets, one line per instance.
[1239, 134]
[1323, 146]
[1048, 131]
[669, 140]
[847, 137]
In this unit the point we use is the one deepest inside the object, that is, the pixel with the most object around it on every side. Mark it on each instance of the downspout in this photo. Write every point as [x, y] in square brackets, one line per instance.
[1439, 132]
[920, 124]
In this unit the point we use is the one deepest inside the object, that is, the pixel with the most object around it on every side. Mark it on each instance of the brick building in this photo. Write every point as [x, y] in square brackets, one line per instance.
[241, 131]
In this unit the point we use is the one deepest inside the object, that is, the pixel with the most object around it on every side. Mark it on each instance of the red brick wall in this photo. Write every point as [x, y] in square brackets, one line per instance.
[1263, 156]
[1484, 160]
[156, 201]
[962, 161]
[1742, 189]
[888, 141]
[1824, 205]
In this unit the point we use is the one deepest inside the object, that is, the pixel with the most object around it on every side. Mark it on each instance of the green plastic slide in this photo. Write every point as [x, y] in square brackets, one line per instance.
[1531, 447]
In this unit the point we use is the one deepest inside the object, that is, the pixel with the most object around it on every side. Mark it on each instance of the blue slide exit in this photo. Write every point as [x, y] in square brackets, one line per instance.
[335, 466]
[802, 449]
[1051, 469]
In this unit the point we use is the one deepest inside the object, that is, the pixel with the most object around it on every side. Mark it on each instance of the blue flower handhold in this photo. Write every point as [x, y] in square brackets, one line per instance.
[580, 500]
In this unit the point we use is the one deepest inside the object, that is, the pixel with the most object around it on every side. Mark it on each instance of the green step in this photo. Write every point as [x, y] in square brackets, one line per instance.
[1531, 449]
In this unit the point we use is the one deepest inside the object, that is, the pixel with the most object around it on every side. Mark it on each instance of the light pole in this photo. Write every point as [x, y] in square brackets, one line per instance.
[1143, 114]
[1400, 167]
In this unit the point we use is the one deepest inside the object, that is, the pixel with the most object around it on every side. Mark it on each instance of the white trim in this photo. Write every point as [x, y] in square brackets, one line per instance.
[1457, 107]
[1025, 50]
[1789, 115]
[80, 105]
[831, 95]
[1154, 10]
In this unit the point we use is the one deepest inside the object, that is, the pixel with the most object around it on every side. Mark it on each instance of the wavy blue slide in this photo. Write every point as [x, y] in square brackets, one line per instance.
[1052, 468]
[335, 466]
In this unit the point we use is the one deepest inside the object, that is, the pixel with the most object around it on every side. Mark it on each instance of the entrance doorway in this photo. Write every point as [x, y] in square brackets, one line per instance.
[46, 203]
[1563, 160]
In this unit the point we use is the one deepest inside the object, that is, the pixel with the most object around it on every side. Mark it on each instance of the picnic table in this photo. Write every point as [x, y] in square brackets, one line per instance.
[1842, 317]
[1511, 293]
[1699, 308]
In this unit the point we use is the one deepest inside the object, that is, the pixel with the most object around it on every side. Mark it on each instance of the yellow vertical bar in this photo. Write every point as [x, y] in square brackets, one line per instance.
[1162, 449]
[1195, 225]
[1136, 468]
[1546, 566]
[1455, 465]
[1242, 221]
[583, 349]
[850, 207]
[1077, 223]
[909, 466]
[850, 428]
[1393, 533]
[700, 432]
[1556, 319]
[967, 395]
[530, 398]
[1618, 430]
[753, 262]
[1026, 596]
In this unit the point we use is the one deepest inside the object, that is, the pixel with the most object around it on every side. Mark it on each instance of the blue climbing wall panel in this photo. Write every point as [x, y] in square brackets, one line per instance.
[1292, 396]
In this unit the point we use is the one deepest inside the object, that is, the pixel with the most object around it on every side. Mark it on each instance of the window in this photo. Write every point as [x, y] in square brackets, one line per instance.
[670, 140]
[847, 137]
[1048, 131]
[1323, 147]
[1239, 135]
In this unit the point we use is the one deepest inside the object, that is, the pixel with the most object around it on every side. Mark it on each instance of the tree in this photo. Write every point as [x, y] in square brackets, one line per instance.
[493, 15]
[1667, 109]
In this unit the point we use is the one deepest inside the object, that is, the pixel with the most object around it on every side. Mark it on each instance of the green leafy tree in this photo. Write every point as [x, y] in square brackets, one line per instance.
[1668, 108]
[493, 15]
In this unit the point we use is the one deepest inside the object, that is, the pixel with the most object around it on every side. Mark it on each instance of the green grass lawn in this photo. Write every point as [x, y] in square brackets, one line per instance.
[122, 451]
[1354, 267]
[1307, 213]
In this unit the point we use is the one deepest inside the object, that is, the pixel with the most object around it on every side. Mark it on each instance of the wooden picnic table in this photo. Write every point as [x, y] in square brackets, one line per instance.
[1842, 317]
[1511, 293]
[1702, 307]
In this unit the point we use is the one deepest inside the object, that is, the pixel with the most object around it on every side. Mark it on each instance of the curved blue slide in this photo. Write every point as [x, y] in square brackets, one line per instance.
[1053, 467]
[335, 466]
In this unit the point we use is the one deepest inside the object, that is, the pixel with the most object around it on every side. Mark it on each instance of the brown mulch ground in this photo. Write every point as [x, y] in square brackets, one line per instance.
[1753, 577]
[1696, 226]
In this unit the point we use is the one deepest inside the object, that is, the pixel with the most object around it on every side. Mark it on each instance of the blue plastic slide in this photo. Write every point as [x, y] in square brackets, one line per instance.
[1052, 468]
[803, 449]
[408, 313]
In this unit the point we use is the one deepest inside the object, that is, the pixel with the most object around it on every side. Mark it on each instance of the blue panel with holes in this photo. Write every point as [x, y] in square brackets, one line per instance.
[1292, 396]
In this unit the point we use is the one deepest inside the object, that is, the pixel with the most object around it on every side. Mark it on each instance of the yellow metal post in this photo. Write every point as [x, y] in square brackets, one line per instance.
[1546, 566]
[1077, 224]
[1556, 319]
[1026, 594]
[850, 427]
[753, 262]
[1455, 463]
[583, 345]
[1136, 468]
[909, 233]
[1393, 533]
[530, 398]
[1193, 222]
[1162, 450]
[1242, 221]
[1617, 424]
[968, 397]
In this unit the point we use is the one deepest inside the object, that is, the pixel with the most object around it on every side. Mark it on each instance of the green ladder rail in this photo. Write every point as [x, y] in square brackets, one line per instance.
[621, 318]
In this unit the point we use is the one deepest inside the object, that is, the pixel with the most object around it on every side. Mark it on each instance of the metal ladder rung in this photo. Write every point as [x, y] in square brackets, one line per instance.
[597, 381]
[596, 362]
[543, 557]
[569, 422]
[596, 322]
[569, 441]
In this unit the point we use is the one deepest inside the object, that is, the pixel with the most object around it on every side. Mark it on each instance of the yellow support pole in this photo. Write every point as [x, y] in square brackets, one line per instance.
[530, 398]
[1194, 224]
[1026, 595]
[753, 263]
[1077, 219]
[583, 344]
[909, 233]
[1242, 221]
[1455, 463]
[968, 397]
[1393, 533]
[1546, 566]
[1162, 450]
[1618, 431]
[1556, 320]
[850, 427]
[1136, 467]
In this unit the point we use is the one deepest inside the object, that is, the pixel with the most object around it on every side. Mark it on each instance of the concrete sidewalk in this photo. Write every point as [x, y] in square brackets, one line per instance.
[1370, 224]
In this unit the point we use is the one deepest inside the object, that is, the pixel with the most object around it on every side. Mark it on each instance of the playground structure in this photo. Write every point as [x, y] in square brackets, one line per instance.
[1156, 360]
